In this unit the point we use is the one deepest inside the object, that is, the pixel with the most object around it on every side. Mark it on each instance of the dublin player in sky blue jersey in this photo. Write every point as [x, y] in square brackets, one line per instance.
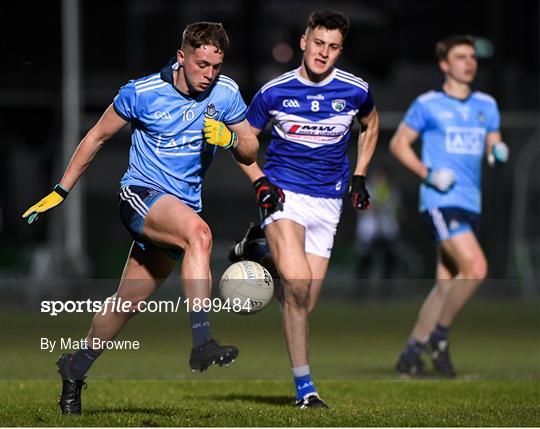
[458, 128]
[305, 177]
[179, 117]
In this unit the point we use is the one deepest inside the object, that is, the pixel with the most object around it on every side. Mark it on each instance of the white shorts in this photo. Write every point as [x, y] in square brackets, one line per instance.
[319, 217]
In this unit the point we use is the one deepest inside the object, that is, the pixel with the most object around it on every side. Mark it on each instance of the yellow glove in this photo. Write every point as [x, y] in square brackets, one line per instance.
[216, 132]
[56, 197]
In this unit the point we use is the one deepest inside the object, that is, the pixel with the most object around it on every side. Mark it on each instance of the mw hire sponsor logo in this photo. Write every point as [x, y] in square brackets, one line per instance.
[315, 130]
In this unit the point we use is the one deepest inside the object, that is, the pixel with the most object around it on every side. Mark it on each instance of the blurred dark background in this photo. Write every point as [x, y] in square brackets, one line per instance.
[391, 45]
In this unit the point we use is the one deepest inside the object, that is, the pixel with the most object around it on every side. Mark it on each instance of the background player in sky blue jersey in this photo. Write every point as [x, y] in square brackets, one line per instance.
[160, 193]
[458, 128]
[306, 173]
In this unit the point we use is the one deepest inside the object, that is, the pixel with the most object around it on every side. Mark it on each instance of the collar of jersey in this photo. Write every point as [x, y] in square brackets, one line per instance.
[166, 74]
[461, 100]
[310, 83]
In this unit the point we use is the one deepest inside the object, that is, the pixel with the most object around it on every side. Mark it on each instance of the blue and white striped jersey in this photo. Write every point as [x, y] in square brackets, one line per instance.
[311, 124]
[453, 136]
[168, 152]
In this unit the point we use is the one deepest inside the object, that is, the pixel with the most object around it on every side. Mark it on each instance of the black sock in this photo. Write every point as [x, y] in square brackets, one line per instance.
[200, 327]
[440, 333]
[81, 362]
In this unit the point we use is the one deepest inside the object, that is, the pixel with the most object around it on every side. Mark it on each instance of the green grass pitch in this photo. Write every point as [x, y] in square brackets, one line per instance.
[495, 346]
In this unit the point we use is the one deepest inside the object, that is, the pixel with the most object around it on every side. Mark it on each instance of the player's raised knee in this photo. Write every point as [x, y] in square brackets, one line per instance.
[297, 293]
[479, 269]
[200, 237]
[476, 269]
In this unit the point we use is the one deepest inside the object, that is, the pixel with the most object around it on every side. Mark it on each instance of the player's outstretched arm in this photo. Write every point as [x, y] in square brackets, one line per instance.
[238, 138]
[108, 125]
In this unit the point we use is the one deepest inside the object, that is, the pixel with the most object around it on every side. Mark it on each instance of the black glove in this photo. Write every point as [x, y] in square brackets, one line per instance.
[252, 247]
[359, 193]
[270, 197]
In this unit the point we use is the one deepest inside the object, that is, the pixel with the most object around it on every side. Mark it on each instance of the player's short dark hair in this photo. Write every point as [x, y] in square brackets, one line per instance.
[329, 20]
[205, 33]
[443, 46]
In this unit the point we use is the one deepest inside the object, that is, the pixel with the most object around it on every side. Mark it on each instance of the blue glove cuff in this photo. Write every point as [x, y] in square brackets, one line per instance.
[500, 153]
[233, 143]
[60, 190]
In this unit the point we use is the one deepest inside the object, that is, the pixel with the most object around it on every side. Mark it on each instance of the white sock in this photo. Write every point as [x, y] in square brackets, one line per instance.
[300, 371]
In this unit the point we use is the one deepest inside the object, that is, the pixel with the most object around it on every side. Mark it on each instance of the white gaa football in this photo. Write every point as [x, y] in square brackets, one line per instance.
[246, 287]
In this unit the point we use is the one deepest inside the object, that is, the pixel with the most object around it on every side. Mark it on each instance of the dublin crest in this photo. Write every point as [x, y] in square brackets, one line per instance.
[211, 111]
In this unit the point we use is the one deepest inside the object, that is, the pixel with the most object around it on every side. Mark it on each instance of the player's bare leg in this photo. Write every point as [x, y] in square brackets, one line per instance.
[319, 267]
[433, 305]
[171, 223]
[286, 240]
[461, 258]
[410, 361]
[143, 273]
[471, 262]
[146, 270]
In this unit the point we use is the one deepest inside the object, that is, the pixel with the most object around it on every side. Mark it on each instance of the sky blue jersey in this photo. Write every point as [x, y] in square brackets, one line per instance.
[168, 152]
[311, 124]
[453, 136]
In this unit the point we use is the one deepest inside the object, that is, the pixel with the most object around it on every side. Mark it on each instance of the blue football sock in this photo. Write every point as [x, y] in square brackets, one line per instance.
[200, 327]
[413, 349]
[302, 380]
[440, 333]
[81, 362]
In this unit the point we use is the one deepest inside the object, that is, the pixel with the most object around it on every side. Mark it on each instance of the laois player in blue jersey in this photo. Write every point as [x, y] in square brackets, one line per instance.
[179, 118]
[458, 128]
[300, 189]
